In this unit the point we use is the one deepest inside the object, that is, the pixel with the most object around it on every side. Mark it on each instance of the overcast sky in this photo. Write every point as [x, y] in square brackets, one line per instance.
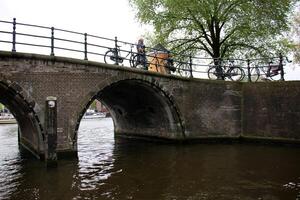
[107, 18]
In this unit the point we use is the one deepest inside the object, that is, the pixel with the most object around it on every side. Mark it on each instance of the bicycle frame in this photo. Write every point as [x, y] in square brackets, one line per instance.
[221, 71]
[114, 54]
[129, 52]
[225, 70]
[271, 71]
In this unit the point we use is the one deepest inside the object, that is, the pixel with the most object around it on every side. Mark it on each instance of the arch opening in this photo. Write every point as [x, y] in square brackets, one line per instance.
[30, 135]
[141, 109]
[138, 109]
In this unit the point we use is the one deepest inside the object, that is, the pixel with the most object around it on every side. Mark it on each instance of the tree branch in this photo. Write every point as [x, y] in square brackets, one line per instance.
[201, 27]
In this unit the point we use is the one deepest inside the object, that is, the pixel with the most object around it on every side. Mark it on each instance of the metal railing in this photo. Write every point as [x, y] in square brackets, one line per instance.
[55, 41]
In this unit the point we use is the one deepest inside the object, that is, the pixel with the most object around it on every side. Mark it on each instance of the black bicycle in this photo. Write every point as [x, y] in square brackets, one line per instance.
[113, 56]
[254, 73]
[183, 68]
[223, 71]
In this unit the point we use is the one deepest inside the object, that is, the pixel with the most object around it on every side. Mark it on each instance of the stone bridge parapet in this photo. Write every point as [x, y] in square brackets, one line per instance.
[142, 103]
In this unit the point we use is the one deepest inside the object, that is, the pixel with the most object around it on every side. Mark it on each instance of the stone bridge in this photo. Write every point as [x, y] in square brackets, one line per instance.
[143, 104]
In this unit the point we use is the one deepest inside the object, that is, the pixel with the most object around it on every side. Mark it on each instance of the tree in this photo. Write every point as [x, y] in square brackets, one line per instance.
[296, 33]
[93, 105]
[219, 28]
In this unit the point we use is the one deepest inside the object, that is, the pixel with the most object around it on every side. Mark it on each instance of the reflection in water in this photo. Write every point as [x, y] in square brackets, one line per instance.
[111, 168]
[9, 160]
[95, 154]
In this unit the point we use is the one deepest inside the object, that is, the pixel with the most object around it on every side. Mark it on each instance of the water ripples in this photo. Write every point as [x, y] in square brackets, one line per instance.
[121, 169]
[10, 161]
[96, 158]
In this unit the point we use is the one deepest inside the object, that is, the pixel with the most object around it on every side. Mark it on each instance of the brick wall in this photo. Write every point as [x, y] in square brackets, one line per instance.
[185, 108]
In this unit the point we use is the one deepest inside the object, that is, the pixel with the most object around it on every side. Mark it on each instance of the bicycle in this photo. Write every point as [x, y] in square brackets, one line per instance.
[113, 56]
[221, 71]
[183, 68]
[270, 72]
[254, 74]
[265, 72]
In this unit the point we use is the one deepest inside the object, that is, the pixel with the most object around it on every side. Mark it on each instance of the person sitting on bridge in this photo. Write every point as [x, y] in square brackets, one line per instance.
[141, 53]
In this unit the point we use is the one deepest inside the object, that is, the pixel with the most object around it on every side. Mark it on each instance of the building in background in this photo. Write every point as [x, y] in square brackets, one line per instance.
[100, 107]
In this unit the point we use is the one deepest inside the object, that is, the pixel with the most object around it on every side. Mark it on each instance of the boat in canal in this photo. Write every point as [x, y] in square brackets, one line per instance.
[7, 118]
[91, 114]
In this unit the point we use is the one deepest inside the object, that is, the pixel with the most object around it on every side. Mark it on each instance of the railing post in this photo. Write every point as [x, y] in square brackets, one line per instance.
[14, 36]
[281, 67]
[52, 41]
[85, 47]
[191, 67]
[116, 51]
[248, 68]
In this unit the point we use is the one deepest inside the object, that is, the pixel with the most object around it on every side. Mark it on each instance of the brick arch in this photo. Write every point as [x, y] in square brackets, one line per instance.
[31, 134]
[165, 106]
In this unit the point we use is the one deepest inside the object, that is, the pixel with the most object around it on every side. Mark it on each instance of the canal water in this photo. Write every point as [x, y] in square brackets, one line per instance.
[111, 168]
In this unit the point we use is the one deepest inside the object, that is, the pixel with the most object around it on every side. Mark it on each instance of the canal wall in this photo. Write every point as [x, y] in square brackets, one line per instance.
[263, 111]
[271, 111]
[211, 109]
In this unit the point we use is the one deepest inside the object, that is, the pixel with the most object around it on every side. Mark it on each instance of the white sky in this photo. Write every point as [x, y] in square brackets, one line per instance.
[106, 18]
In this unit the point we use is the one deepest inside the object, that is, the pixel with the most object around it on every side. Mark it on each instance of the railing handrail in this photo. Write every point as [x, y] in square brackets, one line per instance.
[186, 63]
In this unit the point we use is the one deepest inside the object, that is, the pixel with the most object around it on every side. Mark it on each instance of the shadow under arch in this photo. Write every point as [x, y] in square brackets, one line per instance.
[30, 135]
[139, 109]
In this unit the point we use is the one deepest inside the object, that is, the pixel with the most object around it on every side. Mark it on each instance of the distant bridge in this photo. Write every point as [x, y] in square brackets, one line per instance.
[142, 103]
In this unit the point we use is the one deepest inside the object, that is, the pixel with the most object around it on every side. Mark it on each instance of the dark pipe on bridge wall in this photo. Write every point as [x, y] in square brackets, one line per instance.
[51, 132]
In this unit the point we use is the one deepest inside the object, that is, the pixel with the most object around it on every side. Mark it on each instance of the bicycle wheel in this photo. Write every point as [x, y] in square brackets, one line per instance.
[133, 61]
[254, 74]
[236, 74]
[111, 58]
[269, 74]
[265, 70]
[183, 70]
[276, 77]
[212, 73]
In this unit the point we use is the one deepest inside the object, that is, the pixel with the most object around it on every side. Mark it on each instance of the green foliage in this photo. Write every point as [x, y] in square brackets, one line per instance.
[93, 105]
[218, 28]
[296, 33]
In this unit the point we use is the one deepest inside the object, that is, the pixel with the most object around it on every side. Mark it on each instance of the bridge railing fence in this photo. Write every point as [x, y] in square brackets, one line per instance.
[21, 37]
[53, 41]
